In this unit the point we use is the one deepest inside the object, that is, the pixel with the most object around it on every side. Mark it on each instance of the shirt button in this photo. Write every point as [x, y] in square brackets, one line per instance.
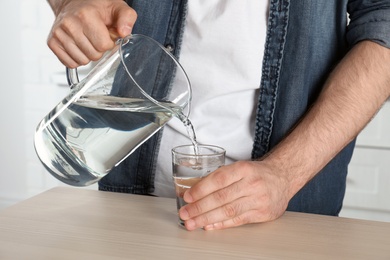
[169, 47]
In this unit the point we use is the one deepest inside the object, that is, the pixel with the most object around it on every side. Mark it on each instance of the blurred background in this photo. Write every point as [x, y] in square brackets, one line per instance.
[34, 82]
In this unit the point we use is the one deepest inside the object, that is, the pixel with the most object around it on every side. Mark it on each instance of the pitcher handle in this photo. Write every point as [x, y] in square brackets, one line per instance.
[72, 76]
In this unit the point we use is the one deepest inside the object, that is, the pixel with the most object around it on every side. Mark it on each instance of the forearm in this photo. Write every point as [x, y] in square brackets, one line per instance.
[56, 5]
[352, 95]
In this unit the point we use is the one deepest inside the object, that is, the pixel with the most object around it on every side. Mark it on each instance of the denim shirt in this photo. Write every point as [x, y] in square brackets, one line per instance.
[305, 40]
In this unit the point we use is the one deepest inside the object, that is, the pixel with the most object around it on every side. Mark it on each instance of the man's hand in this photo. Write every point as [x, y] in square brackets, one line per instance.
[240, 193]
[85, 29]
[258, 191]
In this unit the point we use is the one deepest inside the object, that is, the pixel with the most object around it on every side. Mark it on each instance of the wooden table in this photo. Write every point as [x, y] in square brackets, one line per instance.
[74, 223]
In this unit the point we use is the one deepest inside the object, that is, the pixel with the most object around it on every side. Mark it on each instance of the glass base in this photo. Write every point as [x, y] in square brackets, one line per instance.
[181, 223]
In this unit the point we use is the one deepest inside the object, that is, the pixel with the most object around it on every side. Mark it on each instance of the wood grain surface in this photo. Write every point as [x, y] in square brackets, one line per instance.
[73, 223]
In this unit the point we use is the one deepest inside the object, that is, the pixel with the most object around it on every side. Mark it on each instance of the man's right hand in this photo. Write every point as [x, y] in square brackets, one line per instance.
[85, 29]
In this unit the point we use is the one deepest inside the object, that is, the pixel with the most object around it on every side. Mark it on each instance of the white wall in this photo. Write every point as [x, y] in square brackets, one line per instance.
[12, 103]
[27, 68]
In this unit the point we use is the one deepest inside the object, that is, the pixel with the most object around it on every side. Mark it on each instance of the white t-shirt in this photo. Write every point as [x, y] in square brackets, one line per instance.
[222, 53]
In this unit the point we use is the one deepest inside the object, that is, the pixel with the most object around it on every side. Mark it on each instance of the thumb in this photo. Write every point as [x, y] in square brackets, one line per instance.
[125, 20]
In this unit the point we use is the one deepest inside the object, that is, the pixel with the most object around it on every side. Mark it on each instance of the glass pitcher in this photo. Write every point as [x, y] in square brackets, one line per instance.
[131, 93]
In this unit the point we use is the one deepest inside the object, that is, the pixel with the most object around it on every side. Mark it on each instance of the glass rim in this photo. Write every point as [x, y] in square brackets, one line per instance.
[124, 41]
[218, 151]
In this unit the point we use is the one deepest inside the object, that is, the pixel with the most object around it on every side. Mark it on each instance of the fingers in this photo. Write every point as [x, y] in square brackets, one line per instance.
[244, 210]
[235, 213]
[76, 42]
[234, 195]
[71, 52]
[207, 200]
[219, 197]
[84, 31]
[215, 181]
[62, 54]
[251, 216]
[126, 18]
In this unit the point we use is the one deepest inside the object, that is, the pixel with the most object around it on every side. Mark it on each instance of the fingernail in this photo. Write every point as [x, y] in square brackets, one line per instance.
[184, 214]
[209, 227]
[212, 226]
[126, 30]
[187, 197]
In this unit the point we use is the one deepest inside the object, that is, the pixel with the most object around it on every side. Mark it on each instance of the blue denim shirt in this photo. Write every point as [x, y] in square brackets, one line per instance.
[305, 40]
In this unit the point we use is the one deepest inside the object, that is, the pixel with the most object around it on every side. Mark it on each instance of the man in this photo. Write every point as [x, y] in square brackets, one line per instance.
[321, 83]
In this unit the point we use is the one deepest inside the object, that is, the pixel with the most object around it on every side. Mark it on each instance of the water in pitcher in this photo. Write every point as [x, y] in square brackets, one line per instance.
[95, 133]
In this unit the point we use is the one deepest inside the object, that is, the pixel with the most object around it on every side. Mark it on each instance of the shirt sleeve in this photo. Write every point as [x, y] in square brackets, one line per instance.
[369, 20]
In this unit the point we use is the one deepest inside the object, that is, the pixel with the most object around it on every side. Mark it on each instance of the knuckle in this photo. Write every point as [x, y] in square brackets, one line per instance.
[195, 209]
[73, 22]
[221, 195]
[244, 166]
[129, 12]
[54, 35]
[230, 210]
[67, 24]
[94, 56]
[83, 14]
[204, 220]
[83, 62]
[220, 180]
[102, 46]
[239, 220]
[51, 43]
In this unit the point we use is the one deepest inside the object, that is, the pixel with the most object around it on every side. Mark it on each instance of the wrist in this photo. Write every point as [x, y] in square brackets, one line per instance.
[290, 167]
[57, 5]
